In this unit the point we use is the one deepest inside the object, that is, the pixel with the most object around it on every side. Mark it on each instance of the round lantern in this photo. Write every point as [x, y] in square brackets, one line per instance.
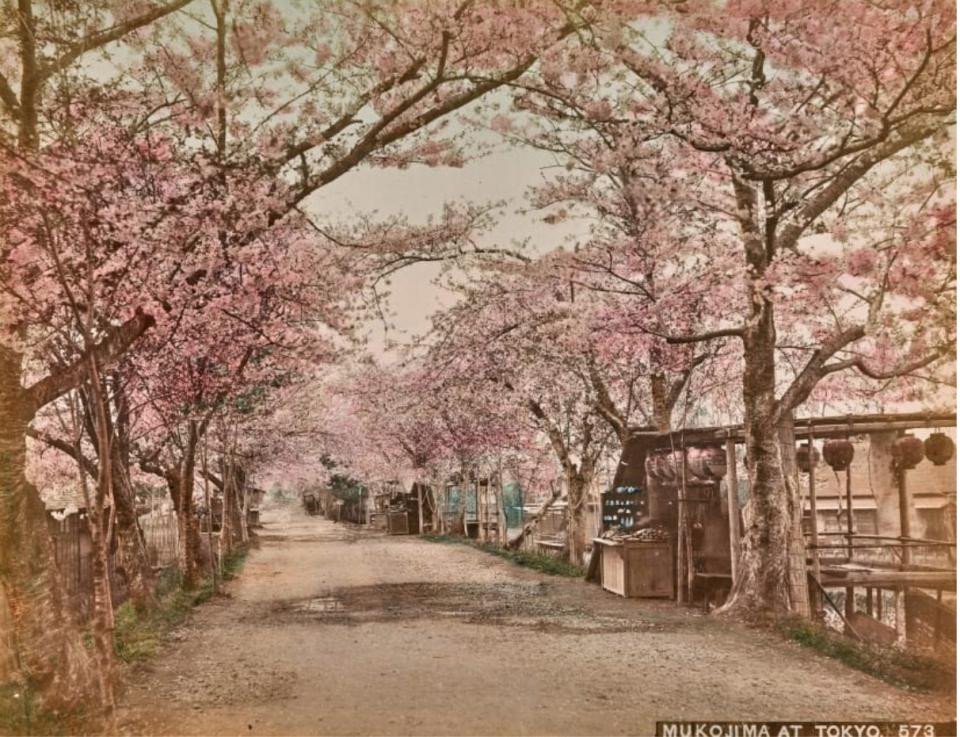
[807, 456]
[838, 454]
[907, 452]
[938, 448]
[708, 463]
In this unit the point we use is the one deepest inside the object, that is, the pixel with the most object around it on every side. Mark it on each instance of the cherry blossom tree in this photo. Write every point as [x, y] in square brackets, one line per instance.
[764, 126]
[371, 82]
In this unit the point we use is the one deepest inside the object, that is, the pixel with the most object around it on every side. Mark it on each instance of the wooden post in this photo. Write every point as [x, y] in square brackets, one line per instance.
[682, 528]
[688, 535]
[905, 532]
[938, 625]
[419, 508]
[814, 520]
[501, 511]
[733, 509]
[901, 611]
[849, 603]
[849, 514]
[869, 601]
[486, 510]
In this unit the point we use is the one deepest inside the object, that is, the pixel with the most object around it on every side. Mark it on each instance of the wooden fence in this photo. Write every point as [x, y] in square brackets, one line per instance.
[73, 550]
[161, 534]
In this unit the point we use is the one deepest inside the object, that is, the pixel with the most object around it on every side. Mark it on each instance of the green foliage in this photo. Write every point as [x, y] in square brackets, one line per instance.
[345, 488]
[903, 669]
[538, 561]
[138, 635]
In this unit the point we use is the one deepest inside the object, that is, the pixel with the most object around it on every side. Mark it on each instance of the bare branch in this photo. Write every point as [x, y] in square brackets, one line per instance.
[104, 37]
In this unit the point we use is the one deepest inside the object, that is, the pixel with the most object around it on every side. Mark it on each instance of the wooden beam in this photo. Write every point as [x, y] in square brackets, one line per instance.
[892, 579]
[819, 427]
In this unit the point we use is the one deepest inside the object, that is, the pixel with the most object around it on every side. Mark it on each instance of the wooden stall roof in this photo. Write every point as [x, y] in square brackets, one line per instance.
[819, 427]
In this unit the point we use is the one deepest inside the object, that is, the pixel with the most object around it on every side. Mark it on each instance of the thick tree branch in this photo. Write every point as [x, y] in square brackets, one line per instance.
[849, 176]
[106, 351]
[902, 370]
[62, 445]
[815, 369]
[702, 337]
[605, 404]
[9, 98]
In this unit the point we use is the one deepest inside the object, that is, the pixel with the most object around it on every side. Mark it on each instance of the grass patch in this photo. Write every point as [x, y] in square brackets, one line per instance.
[22, 713]
[542, 562]
[138, 635]
[899, 668]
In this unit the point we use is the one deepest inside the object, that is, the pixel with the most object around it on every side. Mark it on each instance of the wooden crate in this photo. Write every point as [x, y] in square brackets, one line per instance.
[399, 523]
[637, 569]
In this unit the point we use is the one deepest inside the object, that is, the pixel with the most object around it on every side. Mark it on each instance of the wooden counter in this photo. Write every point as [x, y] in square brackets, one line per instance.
[636, 569]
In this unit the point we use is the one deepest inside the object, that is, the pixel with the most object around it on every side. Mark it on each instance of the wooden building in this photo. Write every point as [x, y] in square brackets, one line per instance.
[879, 527]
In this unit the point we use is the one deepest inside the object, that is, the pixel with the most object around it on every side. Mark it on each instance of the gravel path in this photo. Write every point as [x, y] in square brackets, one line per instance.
[334, 630]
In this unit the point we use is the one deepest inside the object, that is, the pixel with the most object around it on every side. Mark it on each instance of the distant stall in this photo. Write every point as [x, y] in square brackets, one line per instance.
[878, 520]
[395, 509]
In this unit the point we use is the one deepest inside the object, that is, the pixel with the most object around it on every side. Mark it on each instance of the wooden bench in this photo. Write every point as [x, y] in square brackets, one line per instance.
[548, 544]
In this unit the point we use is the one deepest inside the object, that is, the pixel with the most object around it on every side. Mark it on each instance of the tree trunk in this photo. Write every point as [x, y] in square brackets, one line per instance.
[188, 535]
[797, 568]
[236, 516]
[188, 557]
[226, 514]
[132, 547]
[763, 577]
[101, 530]
[527, 528]
[577, 486]
[50, 653]
[244, 503]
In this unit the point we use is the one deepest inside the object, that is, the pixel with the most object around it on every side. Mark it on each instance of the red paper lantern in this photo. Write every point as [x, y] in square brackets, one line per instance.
[838, 454]
[938, 448]
[907, 452]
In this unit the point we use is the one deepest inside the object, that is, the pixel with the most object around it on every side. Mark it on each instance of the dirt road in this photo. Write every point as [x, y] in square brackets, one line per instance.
[333, 630]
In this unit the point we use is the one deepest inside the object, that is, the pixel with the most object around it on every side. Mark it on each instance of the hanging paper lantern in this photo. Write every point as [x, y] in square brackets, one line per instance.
[708, 463]
[938, 448]
[807, 456]
[907, 452]
[838, 454]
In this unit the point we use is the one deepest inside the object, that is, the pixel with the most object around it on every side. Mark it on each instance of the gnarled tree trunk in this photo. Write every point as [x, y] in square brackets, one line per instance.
[764, 575]
[132, 556]
[578, 484]
[49, 649]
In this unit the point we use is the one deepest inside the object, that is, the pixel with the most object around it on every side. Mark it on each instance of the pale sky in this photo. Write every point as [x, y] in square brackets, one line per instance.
[420, 191]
